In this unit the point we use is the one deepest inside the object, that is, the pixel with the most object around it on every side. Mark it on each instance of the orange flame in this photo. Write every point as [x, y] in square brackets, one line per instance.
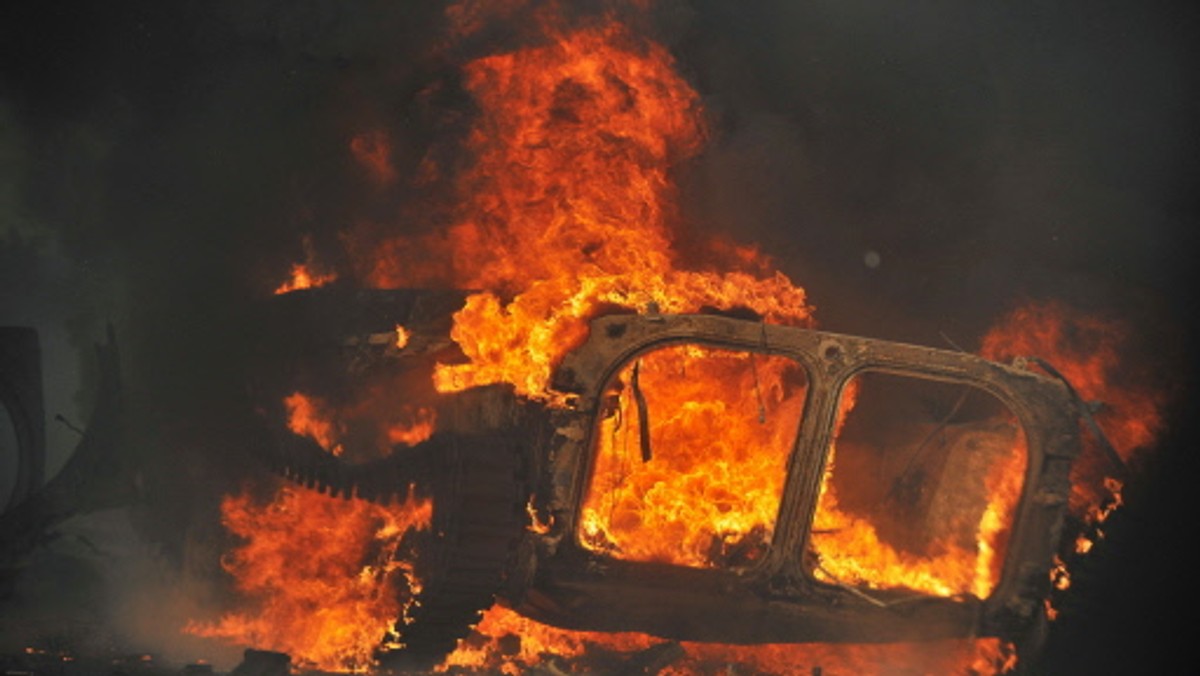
[307, 416]
[518, 644]
[414, 431]
[303, 277]
[720, 438]
[321, 573]
[306, 275]
[569, 208]
[390, 424]
[402, 337]
[1086, 350]
[950, 559]
[536, 523]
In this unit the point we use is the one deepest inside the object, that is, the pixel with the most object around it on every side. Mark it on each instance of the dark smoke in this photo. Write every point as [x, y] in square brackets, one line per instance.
[918, 167]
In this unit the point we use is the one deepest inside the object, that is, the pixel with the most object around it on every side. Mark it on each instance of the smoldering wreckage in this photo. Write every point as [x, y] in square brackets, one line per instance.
[518, 486]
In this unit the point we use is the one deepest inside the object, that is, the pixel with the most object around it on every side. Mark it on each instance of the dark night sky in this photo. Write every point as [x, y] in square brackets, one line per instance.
[158, 162]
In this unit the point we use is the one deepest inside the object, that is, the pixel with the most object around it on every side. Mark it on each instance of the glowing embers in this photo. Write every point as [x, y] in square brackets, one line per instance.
[691, 457]
[921, 489]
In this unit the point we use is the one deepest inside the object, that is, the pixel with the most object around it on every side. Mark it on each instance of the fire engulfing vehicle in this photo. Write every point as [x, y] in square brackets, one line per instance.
[701, 477]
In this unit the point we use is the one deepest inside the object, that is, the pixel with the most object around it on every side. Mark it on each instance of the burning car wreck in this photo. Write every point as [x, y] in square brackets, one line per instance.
[680, 479]
[478, 338]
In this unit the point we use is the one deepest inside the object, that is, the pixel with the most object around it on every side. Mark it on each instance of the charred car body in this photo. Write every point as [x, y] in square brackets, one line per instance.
[783, 442]
[537, 504]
